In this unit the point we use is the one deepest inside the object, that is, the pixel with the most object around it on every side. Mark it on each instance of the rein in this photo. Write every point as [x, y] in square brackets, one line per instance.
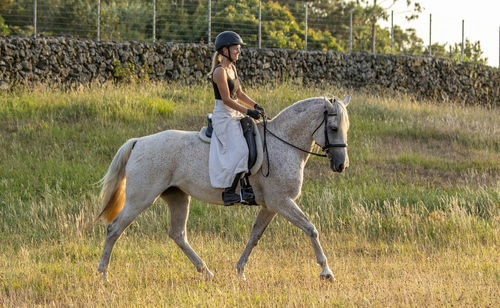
[325, 148]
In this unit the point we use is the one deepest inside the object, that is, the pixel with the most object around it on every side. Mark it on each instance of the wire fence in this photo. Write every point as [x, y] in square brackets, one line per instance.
[261, 24]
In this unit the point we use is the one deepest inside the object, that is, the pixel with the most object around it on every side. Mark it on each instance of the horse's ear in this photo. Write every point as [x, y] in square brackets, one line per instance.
[347, 100]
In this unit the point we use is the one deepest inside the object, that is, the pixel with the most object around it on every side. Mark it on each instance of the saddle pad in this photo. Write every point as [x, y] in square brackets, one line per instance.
[258, 143]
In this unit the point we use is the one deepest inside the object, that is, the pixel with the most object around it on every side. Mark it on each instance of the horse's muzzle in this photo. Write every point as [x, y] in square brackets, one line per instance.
[337, 167]
[338, 164]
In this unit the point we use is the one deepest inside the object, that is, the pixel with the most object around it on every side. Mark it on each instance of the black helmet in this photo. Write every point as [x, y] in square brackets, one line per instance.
[227, 38]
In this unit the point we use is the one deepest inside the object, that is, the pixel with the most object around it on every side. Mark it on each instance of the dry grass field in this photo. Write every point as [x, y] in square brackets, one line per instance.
[153, 271]
[415, 220]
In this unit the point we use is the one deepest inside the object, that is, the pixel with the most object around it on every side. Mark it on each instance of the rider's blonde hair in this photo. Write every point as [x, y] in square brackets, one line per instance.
[216, 59]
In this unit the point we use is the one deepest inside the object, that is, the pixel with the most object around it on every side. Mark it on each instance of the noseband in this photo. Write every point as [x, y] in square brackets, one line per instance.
[325, 148]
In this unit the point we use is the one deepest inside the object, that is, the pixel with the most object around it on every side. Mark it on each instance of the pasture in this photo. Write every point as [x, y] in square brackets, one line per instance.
[414, 221]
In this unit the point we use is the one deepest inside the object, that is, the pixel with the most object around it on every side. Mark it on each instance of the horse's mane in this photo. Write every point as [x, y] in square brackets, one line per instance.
[298, 107]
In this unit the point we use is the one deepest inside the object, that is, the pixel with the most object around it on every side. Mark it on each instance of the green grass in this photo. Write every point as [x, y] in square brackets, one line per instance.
[424, 180]
[418, 156]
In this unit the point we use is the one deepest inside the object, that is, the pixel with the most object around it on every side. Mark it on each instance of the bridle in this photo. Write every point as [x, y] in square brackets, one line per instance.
[325, 148]
[328, 145]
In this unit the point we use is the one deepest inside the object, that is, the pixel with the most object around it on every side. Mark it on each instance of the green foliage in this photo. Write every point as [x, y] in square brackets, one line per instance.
[472, 52]
[407, 41]
[4, 29]
[284, 30]
[127, 72]
[128, 19]
[123, 72]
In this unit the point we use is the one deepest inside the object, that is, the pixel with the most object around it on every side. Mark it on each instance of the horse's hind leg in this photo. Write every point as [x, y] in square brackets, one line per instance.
[294, 214]
[115, 229]
[261, 222]
[178, 203]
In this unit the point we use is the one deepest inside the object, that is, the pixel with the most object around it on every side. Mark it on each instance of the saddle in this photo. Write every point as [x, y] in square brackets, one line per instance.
[252, 137]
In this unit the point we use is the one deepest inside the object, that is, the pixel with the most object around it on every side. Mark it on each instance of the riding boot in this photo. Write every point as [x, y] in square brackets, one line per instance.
[229, 195]
[247, 195]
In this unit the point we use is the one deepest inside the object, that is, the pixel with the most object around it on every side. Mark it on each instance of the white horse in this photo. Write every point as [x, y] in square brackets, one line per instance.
[173, 165]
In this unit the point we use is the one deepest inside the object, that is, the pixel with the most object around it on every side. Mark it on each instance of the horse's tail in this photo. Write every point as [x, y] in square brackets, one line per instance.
[113, 183]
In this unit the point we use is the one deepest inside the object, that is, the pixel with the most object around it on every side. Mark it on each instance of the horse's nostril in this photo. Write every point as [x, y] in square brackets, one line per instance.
[341, 167]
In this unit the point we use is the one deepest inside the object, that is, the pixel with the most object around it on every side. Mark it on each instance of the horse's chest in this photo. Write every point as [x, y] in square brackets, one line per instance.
[290, 183]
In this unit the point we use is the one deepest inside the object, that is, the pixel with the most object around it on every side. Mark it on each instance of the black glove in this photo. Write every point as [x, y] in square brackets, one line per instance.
[253, 113]
[259, 108]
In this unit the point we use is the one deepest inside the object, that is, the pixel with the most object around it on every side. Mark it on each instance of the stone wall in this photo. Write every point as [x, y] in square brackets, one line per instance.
[66, 61]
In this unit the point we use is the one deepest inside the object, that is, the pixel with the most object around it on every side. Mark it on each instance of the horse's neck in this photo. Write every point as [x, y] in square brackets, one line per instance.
[296, 123]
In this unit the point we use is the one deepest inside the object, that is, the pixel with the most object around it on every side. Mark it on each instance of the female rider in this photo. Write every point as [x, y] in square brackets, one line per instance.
[228, 149]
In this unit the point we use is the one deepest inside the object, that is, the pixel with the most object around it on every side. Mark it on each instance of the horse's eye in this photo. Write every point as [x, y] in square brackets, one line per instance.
[334, 128]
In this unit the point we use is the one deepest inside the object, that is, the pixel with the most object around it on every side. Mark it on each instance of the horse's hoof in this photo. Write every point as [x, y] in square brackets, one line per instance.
[241, 277]
[208, 275]
[104, 276]
[101, 269]
[327, 277]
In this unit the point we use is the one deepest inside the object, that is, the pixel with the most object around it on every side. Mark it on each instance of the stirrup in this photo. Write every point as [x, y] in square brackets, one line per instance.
[246, 192]
[247, 196]
[229, 197]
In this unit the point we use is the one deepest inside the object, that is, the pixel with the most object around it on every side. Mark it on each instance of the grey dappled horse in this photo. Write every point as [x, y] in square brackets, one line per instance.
[173, 165]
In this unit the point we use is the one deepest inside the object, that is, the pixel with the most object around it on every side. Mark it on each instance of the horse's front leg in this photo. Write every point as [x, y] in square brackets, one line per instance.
[289, 209]
[261, 222]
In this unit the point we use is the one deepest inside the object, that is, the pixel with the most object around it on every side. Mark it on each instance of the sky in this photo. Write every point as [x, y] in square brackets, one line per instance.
[481, 22]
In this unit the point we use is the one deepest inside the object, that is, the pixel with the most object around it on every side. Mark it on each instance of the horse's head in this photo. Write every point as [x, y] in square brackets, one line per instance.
[331, 135]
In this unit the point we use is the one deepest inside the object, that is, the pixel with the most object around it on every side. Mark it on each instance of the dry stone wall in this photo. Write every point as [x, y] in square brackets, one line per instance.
[63, 61]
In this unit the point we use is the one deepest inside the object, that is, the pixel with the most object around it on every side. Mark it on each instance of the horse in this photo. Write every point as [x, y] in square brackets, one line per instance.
[173, 165]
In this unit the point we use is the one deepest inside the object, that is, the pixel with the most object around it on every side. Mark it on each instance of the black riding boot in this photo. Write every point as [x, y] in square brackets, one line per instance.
[229, 195]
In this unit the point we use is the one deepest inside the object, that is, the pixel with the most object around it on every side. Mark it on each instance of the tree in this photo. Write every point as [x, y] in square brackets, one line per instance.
[437, 50]
[334, 16]
[13, 12]
[377, 12]
[68, 17]
[472, 52]
[126, 20]
[280, 27]
[407, 41]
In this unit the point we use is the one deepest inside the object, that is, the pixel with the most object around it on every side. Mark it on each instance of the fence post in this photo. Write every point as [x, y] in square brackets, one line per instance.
[98, 18]
[209, 21]
[34, 18]
[350, 32]
[430, 35]
[154, 21]
[305, 45]
[462, 57]
[260, 26]
[392, 32]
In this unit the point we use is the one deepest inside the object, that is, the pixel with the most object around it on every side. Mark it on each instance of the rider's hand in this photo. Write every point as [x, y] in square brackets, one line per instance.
[258, 108]
[253, 113]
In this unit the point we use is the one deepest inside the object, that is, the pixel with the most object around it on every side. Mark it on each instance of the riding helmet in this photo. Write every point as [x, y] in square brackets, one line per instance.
[226, 39]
